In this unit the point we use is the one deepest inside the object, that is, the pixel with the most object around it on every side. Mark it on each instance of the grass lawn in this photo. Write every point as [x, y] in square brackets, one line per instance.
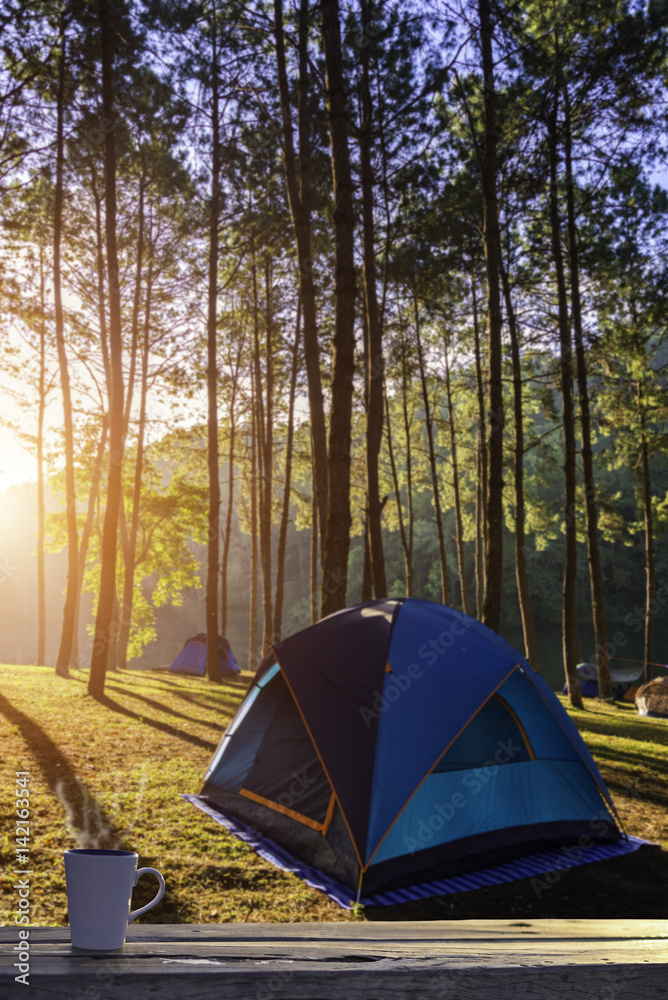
[110, 774]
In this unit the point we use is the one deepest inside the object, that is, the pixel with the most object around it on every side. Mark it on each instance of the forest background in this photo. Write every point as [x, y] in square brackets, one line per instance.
[308, 303]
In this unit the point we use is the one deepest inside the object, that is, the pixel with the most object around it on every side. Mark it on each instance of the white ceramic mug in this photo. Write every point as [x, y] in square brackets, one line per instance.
[99, 894]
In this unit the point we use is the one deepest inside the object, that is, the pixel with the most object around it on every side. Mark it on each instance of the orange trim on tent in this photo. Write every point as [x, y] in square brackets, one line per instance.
[282, 809]
[315, 747]
[523, 733]
[388, 668]
[330, 813]
[435, 763]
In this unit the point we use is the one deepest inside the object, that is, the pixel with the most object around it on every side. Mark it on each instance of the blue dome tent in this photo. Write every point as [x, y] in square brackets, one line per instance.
[192, 658]
[399, 748]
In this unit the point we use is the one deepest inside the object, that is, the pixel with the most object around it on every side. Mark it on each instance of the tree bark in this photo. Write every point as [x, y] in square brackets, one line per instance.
[569, 606]
[403, 534]
[650, 571]
[103, 621]
[227, 536]
[528, 631]
[285, 514]
[212, 654]
[65, 648]
[461, 559]
[298, 184]
[601, 657]
[41, 581]
[130, 553]
[252, 611]
[337, 531]
[429, 425]
[494, 500]
[93, 495]
[266, 493]
[374, 330]
[481, 466]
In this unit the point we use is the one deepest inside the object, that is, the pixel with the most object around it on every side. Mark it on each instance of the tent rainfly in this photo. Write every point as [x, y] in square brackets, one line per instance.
[192, 658]
[399, 744]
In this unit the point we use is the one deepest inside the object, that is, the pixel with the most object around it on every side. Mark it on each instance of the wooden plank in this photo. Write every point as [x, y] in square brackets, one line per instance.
[438, 960]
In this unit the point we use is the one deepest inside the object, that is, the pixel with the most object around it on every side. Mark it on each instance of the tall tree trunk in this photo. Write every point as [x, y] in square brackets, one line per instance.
[591, 512]
[41, 581]
[569, 614]
[650, 571]
[461, 560]
[93, 495]
[227, 536]
[481, 466]
[130, 554]
[100, 263]
[337, 531]
[65, 648]
[403, 534]
[429, 424]
[522, 576]
[298, 183]
[494, 500]
[315, 535]
[252, 611]
[212, 654]
[285, 513]
[266, 493]
[103, 621]
[374, 330]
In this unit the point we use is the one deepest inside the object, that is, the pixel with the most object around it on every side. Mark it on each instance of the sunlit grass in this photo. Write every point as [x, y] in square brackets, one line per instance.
[112, 774]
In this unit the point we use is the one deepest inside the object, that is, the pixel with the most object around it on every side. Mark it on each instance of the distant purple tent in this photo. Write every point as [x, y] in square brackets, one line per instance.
[192, 658]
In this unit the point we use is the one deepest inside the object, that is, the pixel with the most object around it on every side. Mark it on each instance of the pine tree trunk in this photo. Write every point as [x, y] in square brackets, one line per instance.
[481, 467]
[374, 331]
[212, 654]
[130, 554]
[410, 569]
[429, 425]
[461, 560]
[41, 581]
[530, 648]
[103, 620]
[227, 536]
[93, 495]
[494, 500]
[100, 263]
[601, 657]
[337, 531]
[267, 472]
[397, 495]
[298, 182]
[650, 570]
[315, 548]
[285, 513]
[569, 606]
[65, 648]
[253, 609]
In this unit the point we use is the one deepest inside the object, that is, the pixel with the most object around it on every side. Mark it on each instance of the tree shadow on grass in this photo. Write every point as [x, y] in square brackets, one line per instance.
[85, 817]
[157, 705]
[163, 727]
[204, 702]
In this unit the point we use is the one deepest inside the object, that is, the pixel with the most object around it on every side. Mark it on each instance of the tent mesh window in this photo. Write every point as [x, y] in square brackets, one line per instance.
[493, 736]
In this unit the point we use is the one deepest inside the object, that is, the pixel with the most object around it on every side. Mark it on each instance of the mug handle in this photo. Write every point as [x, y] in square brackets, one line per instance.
[161, 892]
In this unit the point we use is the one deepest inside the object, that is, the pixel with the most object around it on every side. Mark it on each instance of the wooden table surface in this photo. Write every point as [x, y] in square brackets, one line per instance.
[421, 960]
